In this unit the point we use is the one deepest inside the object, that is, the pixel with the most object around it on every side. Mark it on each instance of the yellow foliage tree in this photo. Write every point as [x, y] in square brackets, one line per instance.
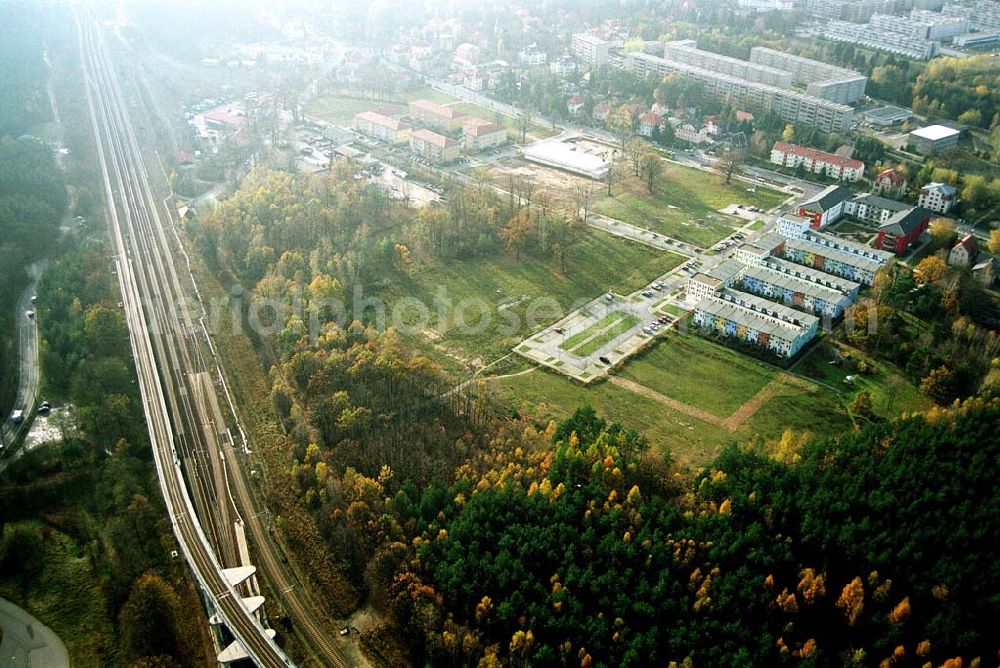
[901, 612]
[852, 600]
[930, 270]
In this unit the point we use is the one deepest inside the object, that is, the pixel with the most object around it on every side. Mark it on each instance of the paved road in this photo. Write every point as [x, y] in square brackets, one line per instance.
[27, 390]
[27, 643]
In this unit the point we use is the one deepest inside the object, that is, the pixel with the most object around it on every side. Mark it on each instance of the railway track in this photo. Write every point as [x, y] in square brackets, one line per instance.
[205, 490]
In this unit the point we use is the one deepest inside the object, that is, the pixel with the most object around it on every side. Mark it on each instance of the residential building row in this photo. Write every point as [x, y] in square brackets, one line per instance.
[857, 11]
[983, 15]
[917, 35]
[477, 134]
[822, 80]
[687, 52]
[818, 162]
[726, 315]
[791, 106]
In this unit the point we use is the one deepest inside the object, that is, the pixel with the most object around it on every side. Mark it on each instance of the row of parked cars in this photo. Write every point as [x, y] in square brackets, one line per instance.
[729, 241]
[654, 327]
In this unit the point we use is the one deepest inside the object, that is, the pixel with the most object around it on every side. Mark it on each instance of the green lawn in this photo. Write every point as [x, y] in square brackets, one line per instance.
[533, 291]
[757, 224]
[627, 323]
[700, 373]
[891, 391]
[547, 395]
[580, 337]
[339, 109]
[685, 207]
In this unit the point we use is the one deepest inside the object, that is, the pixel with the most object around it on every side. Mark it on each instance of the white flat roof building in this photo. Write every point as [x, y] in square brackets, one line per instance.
[568, 156]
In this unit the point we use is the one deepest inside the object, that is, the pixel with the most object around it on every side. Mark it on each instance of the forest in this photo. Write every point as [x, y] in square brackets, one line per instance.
[85, 543]
[484, 538]
[32, 202]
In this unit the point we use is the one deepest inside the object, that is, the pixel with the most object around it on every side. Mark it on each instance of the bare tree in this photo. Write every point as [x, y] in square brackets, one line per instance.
[634, 151]
[583, 196]
[524, 123]
[612, 176]
[729, 164]
[650, 168]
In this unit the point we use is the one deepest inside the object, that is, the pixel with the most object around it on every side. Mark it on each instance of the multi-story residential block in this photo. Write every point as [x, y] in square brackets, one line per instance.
[832, 261]
[532, 55]
[891, 181]
[689, 132]
[882, 257]
[481, 135]
[791, 106]
[767, 5]
[873, 208]
[934, 139]
[383, 128]
[857, 11]
[822, 80]
[792, 225]
[436, 115]
[818, 162]
[589, 49]
[705, 284]
[687, 52]
[938, 197]
[983, 15]
[870, 36]
[847, 287]
[902, 230]
[434, 147]
[563, 66]
[964, 252]
[755, 253]
[825, 206]
[795, 292]
[930, 25]
[770, 326]
[649, 122]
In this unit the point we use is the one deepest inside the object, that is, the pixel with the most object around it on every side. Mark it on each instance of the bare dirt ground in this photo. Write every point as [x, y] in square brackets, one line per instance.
[559, 185]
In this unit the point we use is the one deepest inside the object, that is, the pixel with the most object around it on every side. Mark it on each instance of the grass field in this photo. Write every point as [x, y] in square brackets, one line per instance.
[580, 337]
[341, 110]
[547, 395]
[622, 326]
[700, 373]
[891, 391]
[685, 206]
[532, 292]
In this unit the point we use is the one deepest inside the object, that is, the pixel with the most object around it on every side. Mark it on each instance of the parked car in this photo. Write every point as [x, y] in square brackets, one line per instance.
[605, 360]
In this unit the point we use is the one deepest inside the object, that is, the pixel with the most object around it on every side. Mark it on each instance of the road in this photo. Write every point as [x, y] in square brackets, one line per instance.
[161, 339]
[177, 382]
[27, 389]
[27, 642]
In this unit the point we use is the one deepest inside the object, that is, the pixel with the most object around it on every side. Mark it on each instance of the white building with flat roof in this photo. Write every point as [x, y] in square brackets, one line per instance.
[569, 156]
[934, 138]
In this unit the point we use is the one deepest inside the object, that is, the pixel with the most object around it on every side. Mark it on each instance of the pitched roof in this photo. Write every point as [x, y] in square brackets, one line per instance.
[904, 222]
[969, 243]
[478, 130]
[576, 99]
[879, 202]
[435, 108]
[434, 138]
[650, 118]
[890, 174]
[942, 188]
[384, 121]
[826, 199]
[818, 156]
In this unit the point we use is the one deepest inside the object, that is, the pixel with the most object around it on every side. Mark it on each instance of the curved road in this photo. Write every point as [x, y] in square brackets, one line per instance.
[27, 642]
[27, 391]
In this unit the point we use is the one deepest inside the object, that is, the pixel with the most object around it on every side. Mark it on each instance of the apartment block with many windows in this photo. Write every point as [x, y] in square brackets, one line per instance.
[384, 128]
[590, 49]
[434, 147]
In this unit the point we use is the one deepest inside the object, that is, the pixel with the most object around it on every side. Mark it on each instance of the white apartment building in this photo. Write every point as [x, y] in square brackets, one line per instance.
[590, 49]
[938, 197]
